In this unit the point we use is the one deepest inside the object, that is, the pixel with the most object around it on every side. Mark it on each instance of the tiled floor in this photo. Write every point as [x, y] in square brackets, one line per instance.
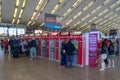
[41, 69]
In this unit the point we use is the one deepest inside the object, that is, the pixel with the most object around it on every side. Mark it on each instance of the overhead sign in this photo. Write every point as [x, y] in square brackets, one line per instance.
[38, 31]
[76, 33]
[53, 21]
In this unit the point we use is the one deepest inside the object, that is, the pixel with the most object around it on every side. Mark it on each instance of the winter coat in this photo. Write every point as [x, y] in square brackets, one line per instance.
[69, 48]
[33, 43]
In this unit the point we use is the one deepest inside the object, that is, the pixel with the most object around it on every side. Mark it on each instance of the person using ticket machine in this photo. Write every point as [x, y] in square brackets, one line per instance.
[69, 49]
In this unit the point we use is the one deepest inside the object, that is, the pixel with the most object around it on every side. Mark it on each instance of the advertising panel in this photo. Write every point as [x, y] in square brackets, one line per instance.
[53, 21]
[93, 47]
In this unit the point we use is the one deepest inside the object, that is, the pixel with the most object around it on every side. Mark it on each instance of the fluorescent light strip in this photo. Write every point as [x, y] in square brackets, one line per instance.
[13, 21]
[94, 11]
[39, 13]
[29, 22]
[109, 14]
[18, 21]
[89, 5]
[72, 7]
[33, 23]
[98, 20]
[104, 27]
[118, 9]
[15, 10]
[21, 11]
[63, 26]
[41, 24]
[84, 25]
[17, 2]
[84, 9]
[69, 22]
[39, 5]
[106, 10]
[85, 17]
[99, 7]
[35, 12]
[57, 6]
[106, 1]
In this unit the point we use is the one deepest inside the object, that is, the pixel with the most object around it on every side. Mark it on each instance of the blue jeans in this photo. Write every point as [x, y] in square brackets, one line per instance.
[33, 52]
[70, 57]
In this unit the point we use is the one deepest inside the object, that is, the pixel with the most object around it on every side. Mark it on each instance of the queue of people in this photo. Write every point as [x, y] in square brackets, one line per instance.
[19, 47]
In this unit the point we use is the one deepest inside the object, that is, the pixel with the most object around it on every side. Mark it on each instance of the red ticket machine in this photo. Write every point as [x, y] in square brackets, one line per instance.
[54, 45]
[38, 39]
[63, 36]
[77, 41]
[45, 45]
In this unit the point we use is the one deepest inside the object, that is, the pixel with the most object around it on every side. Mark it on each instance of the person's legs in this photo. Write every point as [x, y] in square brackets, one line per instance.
[71, 59]
[5, 49]
[67, 60]
[113, 63]
[109, 63]
[62, 60]
[35, 51]
[103, 67]
[31, 52]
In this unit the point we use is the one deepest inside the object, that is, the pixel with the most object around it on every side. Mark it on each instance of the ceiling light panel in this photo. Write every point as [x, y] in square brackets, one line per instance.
[21, 11]
[79, 13]
[41, 24]
[57, 6]
[41, 11]
[95, 10]
[15, 10]
[29, 22]
[35, 11]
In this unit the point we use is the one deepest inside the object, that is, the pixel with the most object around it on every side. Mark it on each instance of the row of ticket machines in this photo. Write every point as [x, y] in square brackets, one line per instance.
[49, 46]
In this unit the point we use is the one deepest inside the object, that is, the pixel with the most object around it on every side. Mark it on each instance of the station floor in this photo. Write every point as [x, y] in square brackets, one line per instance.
[42, 69]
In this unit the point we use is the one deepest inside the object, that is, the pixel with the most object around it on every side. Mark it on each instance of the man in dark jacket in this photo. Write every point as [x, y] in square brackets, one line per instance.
[33, 48]
[69, 48]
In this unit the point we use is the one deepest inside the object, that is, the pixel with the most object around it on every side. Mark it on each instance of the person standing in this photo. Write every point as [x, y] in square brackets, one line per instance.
[6, 45]
[111, 56]
[33, 48]
[63, 54]
[69, 49]
[15, 51]
[103, 55]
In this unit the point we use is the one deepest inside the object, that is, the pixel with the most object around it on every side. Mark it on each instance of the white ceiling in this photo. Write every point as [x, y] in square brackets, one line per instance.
[99, 12]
